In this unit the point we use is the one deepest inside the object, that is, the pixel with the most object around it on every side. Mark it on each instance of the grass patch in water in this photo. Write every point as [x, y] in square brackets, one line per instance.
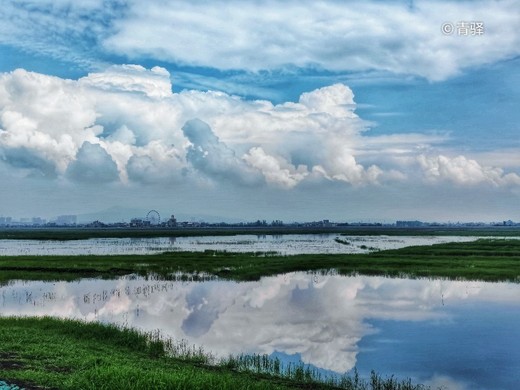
[343, 242]
[484, 259]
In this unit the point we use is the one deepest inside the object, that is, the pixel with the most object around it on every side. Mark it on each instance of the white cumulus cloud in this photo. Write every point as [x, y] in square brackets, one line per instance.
[93, 164]
[275, 170]
[132, 78]
[464, 171]
[209, 155]
[126, 124]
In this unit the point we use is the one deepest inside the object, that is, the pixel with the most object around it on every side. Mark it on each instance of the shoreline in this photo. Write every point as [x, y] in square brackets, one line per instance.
[78, 233]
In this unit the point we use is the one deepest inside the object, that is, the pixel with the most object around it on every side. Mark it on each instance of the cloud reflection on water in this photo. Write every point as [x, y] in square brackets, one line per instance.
[320, 318]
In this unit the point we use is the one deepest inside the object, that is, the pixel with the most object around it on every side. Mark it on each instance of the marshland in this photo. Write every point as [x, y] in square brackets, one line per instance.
[363, 316]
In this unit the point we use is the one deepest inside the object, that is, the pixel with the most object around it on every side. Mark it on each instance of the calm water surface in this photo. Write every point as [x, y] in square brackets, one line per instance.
[463, 335]
[284, 244]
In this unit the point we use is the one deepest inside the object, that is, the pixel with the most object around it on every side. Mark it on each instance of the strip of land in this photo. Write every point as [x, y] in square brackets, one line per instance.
[484, 259]
[76, 233]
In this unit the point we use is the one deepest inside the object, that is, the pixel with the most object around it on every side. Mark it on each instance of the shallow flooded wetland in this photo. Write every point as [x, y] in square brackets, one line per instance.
[287, 244]
[335, 320]
[438, 332]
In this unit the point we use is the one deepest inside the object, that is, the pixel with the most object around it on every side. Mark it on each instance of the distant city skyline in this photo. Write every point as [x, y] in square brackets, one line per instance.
[298, 111]
[172, 220]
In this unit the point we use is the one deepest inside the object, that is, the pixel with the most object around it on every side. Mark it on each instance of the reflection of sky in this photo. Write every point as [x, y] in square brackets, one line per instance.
[480, 344]
[434, 330]
[285, 244]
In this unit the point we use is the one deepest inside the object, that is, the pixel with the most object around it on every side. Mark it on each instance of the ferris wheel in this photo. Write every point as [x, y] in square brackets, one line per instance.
[153, 217]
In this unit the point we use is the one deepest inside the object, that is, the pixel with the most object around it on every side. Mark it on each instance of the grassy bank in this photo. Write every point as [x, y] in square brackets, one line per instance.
[72, 233]
[485, 259]
[64, 354]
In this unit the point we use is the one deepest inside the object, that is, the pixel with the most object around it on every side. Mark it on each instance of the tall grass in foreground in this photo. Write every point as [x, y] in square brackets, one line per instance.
[305, 374]
[70, 354]
[262, 364]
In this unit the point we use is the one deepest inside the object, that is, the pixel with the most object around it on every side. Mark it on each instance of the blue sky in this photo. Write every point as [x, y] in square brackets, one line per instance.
[245, 110]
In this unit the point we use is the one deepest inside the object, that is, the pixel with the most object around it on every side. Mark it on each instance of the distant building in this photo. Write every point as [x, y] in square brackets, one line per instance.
[5, 221]
[96, 224]
[258, 223]
[172, 222]
[409, 224]
[38, 221]
[136, 222]
[66, 220]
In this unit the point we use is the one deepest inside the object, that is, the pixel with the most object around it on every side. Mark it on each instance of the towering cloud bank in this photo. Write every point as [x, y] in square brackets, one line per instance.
[125, 124]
